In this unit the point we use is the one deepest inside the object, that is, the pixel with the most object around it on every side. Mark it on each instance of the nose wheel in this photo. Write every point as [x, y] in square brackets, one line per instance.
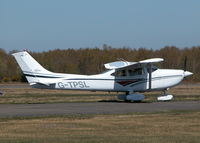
[165, 97]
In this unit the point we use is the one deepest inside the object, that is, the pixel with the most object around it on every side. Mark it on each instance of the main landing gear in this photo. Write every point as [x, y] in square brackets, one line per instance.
[131, 96]
[165, 97]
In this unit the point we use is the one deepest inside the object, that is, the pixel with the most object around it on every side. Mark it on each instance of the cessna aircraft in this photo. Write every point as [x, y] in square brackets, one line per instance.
[121, 76]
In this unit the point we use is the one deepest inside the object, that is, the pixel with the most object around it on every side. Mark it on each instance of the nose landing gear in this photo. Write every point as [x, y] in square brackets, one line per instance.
[165, 97]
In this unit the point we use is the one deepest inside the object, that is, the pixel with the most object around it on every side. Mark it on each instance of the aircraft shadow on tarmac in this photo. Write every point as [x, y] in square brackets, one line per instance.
[128, 101]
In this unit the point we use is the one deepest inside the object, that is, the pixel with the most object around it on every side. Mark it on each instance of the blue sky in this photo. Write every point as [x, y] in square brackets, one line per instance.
[41, 25]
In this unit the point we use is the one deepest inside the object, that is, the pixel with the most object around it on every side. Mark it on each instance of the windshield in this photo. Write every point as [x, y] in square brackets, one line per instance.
[154, 68]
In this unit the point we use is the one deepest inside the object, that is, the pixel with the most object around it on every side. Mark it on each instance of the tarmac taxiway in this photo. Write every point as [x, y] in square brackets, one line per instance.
[28, 110]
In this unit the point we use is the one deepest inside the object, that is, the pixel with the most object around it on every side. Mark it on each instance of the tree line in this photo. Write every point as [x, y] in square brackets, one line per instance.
[92, 60]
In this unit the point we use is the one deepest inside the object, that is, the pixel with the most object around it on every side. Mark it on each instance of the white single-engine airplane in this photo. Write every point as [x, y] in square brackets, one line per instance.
[122, 76]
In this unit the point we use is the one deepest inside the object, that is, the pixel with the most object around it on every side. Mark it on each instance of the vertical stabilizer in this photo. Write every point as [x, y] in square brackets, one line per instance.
[29, 66]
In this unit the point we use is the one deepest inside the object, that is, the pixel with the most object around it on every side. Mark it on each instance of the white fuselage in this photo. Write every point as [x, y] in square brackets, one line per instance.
[161, 80]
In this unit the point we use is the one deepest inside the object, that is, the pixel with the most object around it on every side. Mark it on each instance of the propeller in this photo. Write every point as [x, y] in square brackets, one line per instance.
[185, 64]
[186, 73]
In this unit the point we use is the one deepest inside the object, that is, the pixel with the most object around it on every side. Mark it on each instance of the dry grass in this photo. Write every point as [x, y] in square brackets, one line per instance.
[22, 93]
[169, 127]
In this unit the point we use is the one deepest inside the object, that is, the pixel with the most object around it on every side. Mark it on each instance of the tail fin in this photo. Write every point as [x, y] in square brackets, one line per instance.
[29, 66]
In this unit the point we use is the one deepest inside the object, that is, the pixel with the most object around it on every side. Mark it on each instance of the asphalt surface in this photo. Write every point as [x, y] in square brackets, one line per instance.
[26, 110]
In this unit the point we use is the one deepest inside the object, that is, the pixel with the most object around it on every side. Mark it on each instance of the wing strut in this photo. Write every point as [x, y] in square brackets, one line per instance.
[150, 74]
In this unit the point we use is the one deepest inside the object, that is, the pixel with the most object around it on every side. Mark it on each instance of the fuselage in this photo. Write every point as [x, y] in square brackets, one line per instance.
[161, 80]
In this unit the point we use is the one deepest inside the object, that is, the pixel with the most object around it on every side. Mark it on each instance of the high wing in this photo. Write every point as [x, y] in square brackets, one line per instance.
[118, 65]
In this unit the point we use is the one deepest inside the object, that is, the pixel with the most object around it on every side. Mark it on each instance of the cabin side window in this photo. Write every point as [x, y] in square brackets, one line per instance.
[133, 72]
[128, 72]
[120, 73]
